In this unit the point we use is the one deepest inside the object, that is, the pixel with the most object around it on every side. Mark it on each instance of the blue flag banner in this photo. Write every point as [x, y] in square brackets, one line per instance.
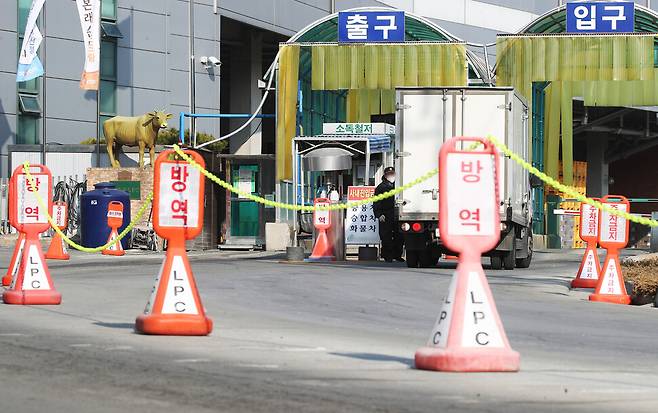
[29, 71]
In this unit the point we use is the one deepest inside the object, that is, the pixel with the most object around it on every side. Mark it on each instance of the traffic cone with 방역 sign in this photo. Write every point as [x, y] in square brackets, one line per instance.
[15, 260]
[468, 335]
[32, 283]
[114, 221]
[175, 307]
[590, 267]
[613, 236]
[323, 249]
[57, 249]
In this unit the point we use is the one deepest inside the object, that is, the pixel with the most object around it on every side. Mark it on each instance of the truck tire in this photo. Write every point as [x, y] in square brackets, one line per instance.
[525, 262]
[496, 262]
[509, 258]
[426, 259]
[412, 258]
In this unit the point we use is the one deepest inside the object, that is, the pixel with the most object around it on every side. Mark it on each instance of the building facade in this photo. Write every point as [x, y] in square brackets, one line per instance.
[145, 60]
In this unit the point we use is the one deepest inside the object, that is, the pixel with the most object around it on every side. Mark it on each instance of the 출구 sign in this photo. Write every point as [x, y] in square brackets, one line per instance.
[601, 17]
[371, 26]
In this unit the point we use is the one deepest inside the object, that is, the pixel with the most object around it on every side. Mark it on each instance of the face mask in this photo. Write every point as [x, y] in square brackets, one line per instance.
[391, 178]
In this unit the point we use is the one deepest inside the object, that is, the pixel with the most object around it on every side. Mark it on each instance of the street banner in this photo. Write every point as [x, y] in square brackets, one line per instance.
[90, 13]
[29, 65]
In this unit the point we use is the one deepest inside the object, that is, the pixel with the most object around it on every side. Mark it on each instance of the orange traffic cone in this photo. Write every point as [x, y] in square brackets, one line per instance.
[32, 283]
[175, 305]
[610, 287]
[15, 260]
[613, 235]
[589, 270]
[57, 249]
[468, 335]
[116, 248]
[322, 250]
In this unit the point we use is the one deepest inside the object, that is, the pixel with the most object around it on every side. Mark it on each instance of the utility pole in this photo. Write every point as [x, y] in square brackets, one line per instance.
[43, 84]
[192, 74]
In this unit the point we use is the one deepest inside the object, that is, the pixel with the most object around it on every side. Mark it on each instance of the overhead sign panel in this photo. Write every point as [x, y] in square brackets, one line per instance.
[370, 26]
[601, 17]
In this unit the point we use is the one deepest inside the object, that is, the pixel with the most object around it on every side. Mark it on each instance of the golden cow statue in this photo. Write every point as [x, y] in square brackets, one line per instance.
[139, 131]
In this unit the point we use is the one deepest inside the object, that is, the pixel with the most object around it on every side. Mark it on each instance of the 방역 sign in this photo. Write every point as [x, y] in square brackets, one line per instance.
[601, 17]
[361, 225]
[469, 212]
[370, 26]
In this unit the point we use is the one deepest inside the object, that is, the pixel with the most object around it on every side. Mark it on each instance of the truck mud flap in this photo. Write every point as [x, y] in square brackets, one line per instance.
[506, 241]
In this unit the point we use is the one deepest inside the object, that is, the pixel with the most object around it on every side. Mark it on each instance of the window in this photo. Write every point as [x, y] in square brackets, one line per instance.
[29, 104]
[109, 9]
[28, 130]
[110, 30]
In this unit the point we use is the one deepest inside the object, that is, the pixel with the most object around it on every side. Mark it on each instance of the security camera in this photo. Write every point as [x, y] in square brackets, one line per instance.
[214, 61]
[203, 60]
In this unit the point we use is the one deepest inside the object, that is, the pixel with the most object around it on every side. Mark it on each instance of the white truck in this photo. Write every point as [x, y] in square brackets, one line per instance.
[425, 118]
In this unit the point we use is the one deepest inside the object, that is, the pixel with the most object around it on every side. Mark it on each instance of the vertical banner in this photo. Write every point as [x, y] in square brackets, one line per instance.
[90, 17]
[29, 65]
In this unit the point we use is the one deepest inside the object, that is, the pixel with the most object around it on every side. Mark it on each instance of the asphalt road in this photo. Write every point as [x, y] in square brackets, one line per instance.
[317, 338]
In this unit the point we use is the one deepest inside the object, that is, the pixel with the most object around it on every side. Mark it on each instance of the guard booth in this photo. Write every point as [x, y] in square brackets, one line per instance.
[343, 70]
[589, 72]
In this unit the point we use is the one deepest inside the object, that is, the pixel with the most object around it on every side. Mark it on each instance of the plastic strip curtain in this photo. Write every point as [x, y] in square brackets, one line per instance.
[387, 66]
[604, 70]
[288, 76]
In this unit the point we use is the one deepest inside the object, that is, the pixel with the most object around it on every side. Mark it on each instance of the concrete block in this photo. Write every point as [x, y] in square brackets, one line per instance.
[277, 236]
[538, 242]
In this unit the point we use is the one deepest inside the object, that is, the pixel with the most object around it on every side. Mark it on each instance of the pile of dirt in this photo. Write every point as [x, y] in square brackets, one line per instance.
[643, 274]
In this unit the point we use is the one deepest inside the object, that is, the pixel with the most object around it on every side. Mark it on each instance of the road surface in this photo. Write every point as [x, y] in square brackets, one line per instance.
[317, 338]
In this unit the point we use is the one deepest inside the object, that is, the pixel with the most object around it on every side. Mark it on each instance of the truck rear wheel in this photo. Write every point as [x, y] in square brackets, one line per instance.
[426, 259]
[412, 258]
[496, 262]
[525, 262]
[509, 258]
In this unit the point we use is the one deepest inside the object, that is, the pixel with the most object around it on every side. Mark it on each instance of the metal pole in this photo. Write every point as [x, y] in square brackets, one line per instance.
[333, 6]
[192, 74]
[98, 105]
[45, 74]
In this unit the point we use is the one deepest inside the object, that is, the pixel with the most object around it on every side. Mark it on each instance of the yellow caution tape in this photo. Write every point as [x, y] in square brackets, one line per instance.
[569, 190]
[44, 206]
[307, 208]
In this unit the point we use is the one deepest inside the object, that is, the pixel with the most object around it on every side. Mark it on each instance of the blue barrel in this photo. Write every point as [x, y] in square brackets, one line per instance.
[93, 214]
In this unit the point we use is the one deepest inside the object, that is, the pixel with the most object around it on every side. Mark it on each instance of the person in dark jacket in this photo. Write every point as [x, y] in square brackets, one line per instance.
[392, 242]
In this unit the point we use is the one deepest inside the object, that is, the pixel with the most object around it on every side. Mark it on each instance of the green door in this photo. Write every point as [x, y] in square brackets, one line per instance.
[245, 214]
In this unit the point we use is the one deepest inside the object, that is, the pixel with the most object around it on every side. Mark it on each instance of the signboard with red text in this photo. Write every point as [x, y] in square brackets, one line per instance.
[613, 228]
[178, 195]
[60, 214]
[322, 217]
[26, 213]
[361, 224]
[589, 222]
[468, 205]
